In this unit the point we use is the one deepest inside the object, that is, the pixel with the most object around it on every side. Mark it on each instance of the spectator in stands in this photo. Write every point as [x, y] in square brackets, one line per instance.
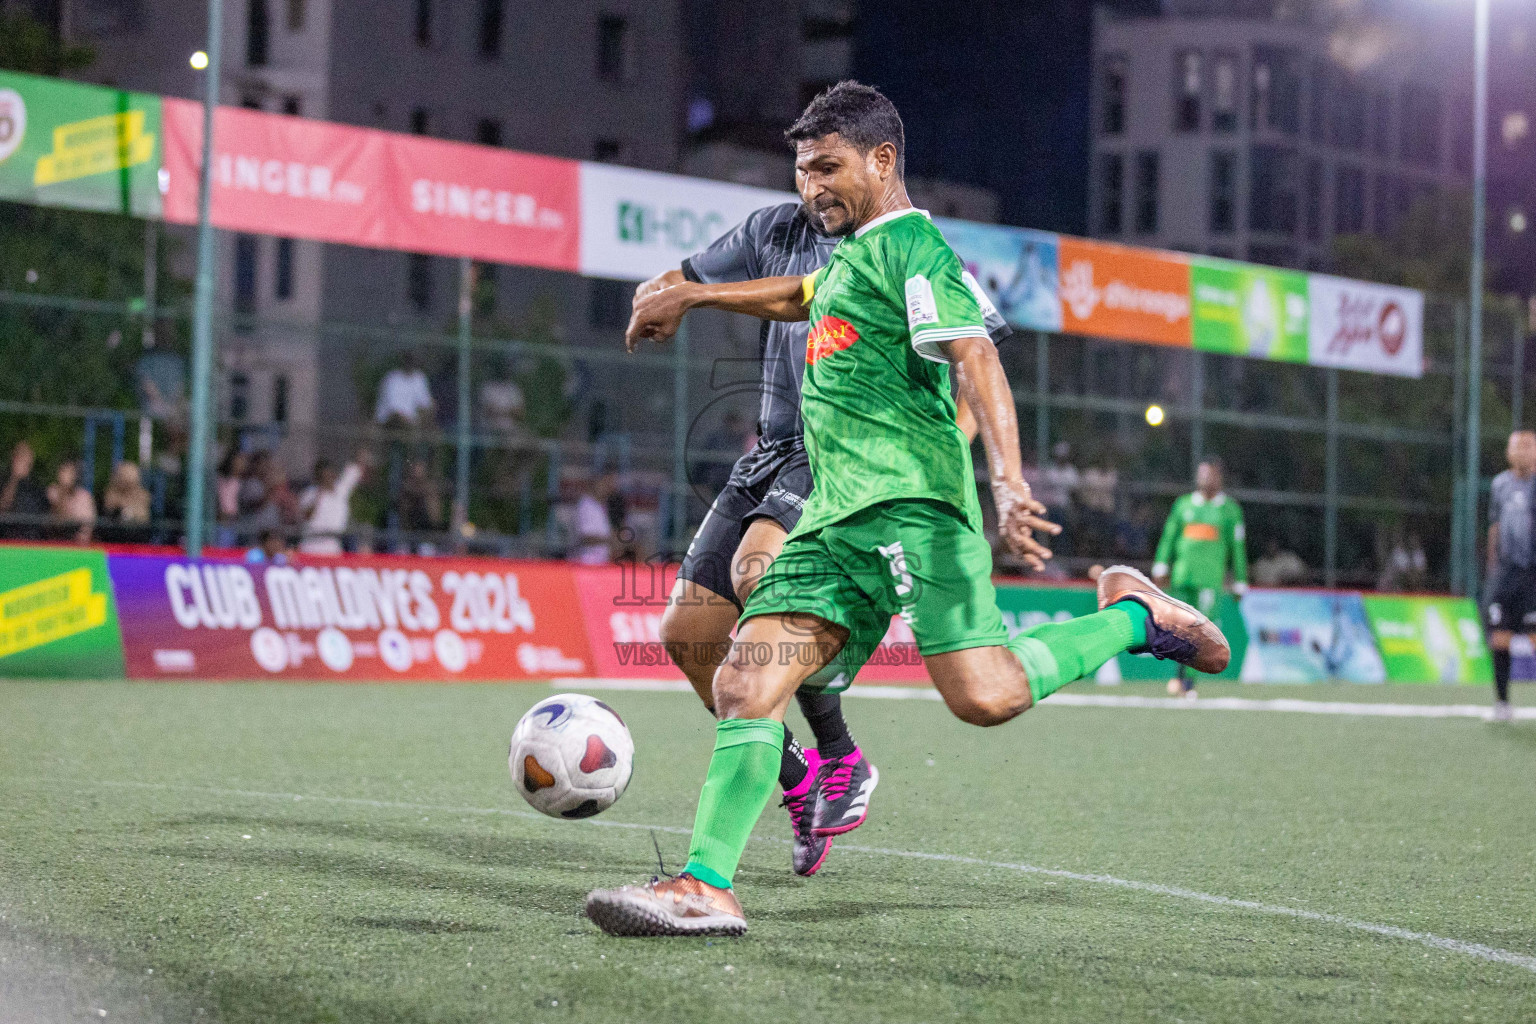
[23, 497]
[230, 477]
[327, 504]
[420, 502]
[594, 529]
[1059, 479]
[405, 398]
[279, 508]
[72, 504]
[273, 549]
[502, 407]
[720, 450]
[1279, 567]
[125, 504]
[1403, 566]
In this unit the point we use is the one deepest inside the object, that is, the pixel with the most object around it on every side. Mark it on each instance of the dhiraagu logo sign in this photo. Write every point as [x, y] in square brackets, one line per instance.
[636, 224]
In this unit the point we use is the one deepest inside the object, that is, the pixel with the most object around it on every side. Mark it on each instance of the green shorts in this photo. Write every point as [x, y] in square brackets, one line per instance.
[916, 559]
[1203, 598]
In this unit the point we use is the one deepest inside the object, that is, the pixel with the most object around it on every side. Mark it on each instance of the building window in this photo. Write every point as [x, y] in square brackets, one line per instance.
[1114, 96]
[1420, 140]
[1224, 93]
[1348, 201]
[280, 398]
[239, 397]
[282, 271]
[1349, 112]
[420, 121]
[1186, 91]
[245, 274]
[293, 106]
[1223, 191]
[1272, 255]
[250, 102]
[488, 132]
[1146, 192]
[612, 38]
[1315, 198]
[1322, 92]
[423, 23]
[1111, 192]
[1384, 204]
[607, 151]
[1276, 100]
[418, 281]
[610, 304]
[490, 27]
[1381, 124]
[295, 15]
[256, 33]
[1272, 178]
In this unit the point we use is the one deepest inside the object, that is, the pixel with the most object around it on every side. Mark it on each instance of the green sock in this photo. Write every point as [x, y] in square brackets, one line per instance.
[742, 774]
[1056, 653]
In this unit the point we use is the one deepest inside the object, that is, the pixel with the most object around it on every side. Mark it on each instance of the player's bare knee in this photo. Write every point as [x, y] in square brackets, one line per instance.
[987, 708]
[740, 692]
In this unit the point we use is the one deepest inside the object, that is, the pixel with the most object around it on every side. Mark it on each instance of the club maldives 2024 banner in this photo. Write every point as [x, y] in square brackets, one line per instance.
[70, 612]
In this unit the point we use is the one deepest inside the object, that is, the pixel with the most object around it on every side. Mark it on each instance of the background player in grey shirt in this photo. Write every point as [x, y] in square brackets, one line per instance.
[1511, 604]
[758, 507]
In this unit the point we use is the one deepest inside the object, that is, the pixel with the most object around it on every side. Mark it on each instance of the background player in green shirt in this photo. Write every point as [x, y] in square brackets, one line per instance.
[893, 525]
[1203, 535]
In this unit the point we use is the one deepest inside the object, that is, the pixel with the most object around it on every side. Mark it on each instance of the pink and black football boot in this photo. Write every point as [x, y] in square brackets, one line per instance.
[843, 788]
[810, 850]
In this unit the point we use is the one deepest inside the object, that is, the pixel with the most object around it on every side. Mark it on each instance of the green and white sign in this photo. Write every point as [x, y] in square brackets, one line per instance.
[57, 616]
[80, 146]
[1245, 310]
[1025, 607]
[1429, 639]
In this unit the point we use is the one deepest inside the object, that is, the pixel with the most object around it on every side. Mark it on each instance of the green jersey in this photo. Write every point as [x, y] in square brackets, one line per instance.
[879, 419]
[1201, 535]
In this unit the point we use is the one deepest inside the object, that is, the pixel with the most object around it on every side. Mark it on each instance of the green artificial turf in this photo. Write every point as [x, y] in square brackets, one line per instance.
[357, 853]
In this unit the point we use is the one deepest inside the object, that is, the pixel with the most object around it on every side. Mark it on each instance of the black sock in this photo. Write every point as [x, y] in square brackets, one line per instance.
[824, 712]
[1501, 674]
[793, 767]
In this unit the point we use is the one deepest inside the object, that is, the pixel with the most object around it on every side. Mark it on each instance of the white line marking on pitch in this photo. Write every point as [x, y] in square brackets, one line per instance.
[1473, 949]
[1105, 700]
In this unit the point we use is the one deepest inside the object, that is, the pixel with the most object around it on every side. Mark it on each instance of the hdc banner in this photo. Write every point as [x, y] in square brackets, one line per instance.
[359, 186]
[362, 618]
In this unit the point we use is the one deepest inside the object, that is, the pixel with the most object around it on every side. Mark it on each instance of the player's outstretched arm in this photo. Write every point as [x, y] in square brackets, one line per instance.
[666, 279]
[658, 315]
[984, 387]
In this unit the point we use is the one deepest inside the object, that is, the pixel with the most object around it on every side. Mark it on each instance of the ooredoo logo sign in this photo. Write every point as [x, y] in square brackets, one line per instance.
[1360, 326]
[1129, 294]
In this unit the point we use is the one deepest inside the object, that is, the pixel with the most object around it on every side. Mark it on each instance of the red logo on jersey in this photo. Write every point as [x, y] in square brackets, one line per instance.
[828, 336]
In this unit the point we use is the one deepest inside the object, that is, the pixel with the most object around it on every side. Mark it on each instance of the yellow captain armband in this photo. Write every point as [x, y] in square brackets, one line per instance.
[808, 288]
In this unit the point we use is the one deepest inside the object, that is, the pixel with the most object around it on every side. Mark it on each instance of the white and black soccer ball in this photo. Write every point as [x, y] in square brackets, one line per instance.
[571, 756]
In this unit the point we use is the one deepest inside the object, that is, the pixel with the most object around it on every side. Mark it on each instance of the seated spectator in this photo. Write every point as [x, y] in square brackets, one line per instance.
[231, 476]
[72, 504]
[1278, 567]
[125, 505]
[420, 501]
[405, 399]
[279, 508]
[273, 549]
[23, 497]
[327, 505]
[594, 529]
[502, 407]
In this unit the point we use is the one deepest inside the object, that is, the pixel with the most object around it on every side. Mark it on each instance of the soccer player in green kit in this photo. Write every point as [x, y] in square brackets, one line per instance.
[1204, 533]
[893, 525]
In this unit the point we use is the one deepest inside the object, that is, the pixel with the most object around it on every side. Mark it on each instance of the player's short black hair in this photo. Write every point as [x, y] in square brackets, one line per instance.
[1214, 461]
[859, 113]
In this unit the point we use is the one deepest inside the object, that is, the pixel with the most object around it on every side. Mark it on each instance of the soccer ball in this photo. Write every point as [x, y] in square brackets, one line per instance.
[571, 756]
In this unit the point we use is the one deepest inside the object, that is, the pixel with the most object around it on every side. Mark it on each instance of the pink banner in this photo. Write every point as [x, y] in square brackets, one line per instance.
[359, 186]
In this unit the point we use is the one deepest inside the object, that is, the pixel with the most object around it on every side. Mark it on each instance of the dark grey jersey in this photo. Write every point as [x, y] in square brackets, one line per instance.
[1510, 502]
[781, 241]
